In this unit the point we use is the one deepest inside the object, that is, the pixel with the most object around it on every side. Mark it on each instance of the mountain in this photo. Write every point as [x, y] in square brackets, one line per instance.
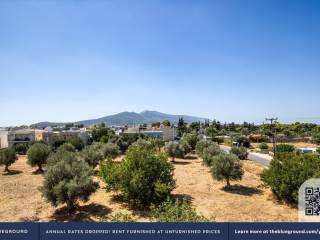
[130, 118]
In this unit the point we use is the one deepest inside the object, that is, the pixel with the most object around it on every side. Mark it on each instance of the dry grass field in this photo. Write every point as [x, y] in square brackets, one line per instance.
[20, 199]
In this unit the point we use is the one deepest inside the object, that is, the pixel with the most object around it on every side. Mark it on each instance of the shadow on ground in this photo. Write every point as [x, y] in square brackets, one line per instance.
[184, 197]
[181, 162]
[242, 190]
[86, 213]
[12, 172]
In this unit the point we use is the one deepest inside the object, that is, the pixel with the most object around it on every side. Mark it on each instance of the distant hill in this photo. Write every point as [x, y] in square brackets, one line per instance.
[129, 118]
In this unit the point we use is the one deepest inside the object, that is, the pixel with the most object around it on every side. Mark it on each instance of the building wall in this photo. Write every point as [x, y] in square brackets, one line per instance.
[3, 139]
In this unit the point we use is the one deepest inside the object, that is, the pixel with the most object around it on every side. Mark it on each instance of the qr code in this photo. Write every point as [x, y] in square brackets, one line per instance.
[312, 201]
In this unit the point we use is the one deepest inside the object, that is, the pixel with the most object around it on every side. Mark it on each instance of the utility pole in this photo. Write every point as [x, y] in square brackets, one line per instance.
[272, 120]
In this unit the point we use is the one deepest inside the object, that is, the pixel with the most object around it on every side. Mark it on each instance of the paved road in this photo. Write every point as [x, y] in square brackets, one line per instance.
[262, 159]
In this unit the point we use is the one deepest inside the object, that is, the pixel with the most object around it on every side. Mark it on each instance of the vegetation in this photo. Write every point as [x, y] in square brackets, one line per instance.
[67, 147]
[68, 180]
[191, 139]
[110, 150]
[178, 211]
[143, 177]
[157, 144]
[318, 150]
[174, 150]
[210, 152]
[166, 123]
[240, 152]
[37, 155]
[316, 138]
[7, 157]
[143, 144]
[288, 171]
[186, 147]
[242, 141]
[201, 145]
[92, 154]
[21, 148]
[182, 127]
[121, 217]
[263, 145]
[284, 148]
[226, 167]
[76, 142]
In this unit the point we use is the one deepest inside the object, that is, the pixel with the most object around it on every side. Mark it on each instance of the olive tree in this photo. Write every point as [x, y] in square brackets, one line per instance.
[143, 177]
[92, 154]
[7, 157]
[37, 155]
[240, 152]
[174, 150]
[110, 150]
[68, 180]
[201, 145]
[226, 167]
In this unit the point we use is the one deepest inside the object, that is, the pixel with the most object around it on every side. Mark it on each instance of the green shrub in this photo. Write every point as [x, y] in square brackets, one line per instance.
[316, 138]
[226, 167]
[318, 150]
[110, 150]
[185, 145]
[178, 211]
[143, 177]
[210, 152]
[92, 154]
[191, 139]
[68, 180]
[157, 144]
[76, 142]
[243, 141]
[263, 145]
[240, 152]
[143, 144]
[66, 147]
[21, 148]
[174, 150]
[288, 171]
[218, 139]
[201, 145]
[37, 155]
[285, 148]
[7, 157]
[121, 217]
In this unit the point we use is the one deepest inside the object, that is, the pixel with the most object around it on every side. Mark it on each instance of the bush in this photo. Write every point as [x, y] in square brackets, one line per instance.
[316, 138]
[210, 152]
[92, 154]
[143, 144]
[191, 139]
[21, 148]
[218, 139]
[121, 217]
[288, 171]
[37, 155]
[66, 147]
[240, 152]
[226, 167]
[143, 177]
[68, 180]
[285, 148]
[110, 150]
[157, 144]
[76, 142]
[201, 145]
[7, 157]
[174, 150]
[185, 145]
[318, 150]
[178, 211]
[243, 141]
[263, 146]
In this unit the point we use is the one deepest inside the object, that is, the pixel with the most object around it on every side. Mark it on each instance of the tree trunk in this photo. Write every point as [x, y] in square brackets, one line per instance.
[70, 205]
[6, 169]
[173, 159]
[40, 170]
[228, 182]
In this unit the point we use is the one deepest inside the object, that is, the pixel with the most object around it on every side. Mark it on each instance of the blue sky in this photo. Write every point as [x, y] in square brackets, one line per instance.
[230, 60]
